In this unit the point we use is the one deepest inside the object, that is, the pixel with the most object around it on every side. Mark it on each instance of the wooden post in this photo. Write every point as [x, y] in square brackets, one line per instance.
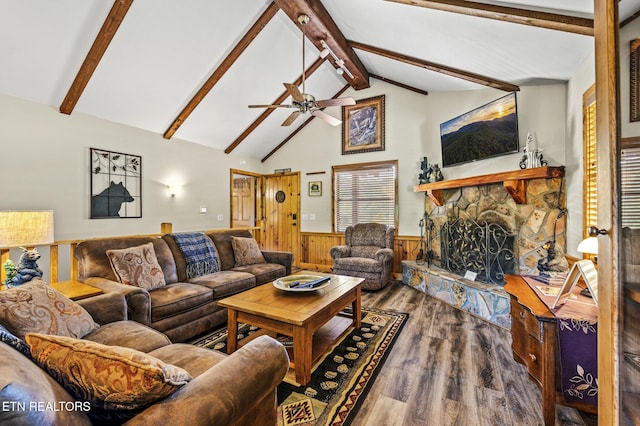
[53, 263]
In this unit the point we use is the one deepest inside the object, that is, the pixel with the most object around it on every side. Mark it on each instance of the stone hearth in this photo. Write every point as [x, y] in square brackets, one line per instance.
[528, 204]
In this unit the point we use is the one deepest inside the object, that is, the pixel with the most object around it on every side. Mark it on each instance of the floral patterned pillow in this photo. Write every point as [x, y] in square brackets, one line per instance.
[246, 251]
[109, 377]
[137, 266]
[36, 307]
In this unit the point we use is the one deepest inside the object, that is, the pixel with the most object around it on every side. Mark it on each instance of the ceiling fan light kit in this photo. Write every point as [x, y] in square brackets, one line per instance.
[306, 103]
[339, 62]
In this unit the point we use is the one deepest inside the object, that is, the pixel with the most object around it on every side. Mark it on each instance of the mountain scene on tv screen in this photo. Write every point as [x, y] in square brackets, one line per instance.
[480, 140]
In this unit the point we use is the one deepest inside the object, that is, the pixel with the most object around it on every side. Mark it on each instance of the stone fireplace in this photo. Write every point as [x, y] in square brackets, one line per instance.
[490, 225]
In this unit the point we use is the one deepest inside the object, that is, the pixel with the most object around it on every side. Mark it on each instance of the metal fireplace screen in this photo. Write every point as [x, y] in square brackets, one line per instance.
[483, 248]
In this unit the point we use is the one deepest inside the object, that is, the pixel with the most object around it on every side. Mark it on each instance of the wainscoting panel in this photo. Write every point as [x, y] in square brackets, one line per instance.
[316, 248]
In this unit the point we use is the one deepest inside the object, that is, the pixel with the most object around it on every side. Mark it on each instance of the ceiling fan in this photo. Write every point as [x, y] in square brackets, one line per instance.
[304, 102]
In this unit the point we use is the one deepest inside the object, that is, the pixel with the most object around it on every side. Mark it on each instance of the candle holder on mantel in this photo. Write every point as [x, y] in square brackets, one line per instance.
[532, 154]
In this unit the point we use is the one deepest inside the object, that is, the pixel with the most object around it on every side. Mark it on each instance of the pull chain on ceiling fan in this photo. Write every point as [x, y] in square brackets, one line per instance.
[304, 102]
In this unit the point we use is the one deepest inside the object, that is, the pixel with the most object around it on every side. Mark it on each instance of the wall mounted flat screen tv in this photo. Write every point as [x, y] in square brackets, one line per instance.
[488, 131]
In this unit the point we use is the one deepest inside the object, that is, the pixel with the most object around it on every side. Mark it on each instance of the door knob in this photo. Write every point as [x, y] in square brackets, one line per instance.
[592, 231]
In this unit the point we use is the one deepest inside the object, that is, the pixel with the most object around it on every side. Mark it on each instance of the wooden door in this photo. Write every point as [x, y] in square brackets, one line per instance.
[243, 202]
[281, 215]
[608, 148]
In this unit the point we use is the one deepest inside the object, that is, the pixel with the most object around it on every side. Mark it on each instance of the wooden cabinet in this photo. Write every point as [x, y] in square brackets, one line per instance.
[534, 335]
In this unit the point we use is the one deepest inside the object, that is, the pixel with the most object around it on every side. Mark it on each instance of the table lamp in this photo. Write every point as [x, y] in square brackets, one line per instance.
[590, 246]
[26, 229]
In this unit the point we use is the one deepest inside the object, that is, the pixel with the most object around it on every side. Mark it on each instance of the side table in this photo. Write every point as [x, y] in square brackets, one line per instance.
[75, 290]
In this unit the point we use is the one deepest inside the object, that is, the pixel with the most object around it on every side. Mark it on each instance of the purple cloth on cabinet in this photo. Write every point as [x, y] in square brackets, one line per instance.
[577, 321]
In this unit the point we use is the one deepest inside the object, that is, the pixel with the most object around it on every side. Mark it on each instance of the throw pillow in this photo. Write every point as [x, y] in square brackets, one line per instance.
[137, 266]
[18, 344]
[109, 377]
[246, 251]
[36, 307]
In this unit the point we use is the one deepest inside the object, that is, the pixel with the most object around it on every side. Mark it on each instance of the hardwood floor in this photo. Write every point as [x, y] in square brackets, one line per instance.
[451, 368]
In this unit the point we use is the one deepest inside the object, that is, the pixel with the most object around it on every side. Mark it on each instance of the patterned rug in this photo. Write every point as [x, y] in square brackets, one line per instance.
[341, 379]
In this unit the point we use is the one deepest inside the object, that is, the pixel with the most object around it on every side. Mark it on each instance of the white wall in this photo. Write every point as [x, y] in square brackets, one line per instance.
[584, 78]
[45, 159]
[413, 131]
[45, 165]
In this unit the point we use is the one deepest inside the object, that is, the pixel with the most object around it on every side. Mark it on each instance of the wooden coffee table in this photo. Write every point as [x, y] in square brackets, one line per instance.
[298, 315]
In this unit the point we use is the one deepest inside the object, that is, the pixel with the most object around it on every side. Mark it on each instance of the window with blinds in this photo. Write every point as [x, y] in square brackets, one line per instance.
[365, 193]
[630, 185]
[590, 185]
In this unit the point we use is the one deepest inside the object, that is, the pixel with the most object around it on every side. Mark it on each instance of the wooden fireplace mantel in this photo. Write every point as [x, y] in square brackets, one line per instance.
[514, 182]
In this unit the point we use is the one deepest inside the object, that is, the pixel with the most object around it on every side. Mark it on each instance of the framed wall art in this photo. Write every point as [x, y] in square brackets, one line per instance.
[634, 84]
[116, 184]
[315, 188]
[363, 126]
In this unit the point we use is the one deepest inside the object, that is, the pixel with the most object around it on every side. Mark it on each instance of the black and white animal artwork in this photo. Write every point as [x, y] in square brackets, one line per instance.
[108, 202]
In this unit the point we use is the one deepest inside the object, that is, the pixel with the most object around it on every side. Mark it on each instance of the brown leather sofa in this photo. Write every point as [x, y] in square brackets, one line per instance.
[225, 390]
[182, 308]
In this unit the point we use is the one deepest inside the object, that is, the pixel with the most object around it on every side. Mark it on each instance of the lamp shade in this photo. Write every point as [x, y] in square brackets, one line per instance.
[26, 228]
[588, 245]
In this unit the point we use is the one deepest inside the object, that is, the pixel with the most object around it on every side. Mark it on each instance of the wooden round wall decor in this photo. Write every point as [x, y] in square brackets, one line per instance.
[280, 196]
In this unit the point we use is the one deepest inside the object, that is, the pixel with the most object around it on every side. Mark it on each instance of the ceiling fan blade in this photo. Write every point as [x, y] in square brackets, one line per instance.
[335, 102]
[326, 117]
[291, 118]
[271, 106]
[294, 92]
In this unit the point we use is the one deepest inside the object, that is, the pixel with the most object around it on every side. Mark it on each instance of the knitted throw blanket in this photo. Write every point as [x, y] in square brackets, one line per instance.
[199, 253]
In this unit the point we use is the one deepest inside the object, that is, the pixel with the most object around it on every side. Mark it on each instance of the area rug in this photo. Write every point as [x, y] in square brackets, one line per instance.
[341, 379]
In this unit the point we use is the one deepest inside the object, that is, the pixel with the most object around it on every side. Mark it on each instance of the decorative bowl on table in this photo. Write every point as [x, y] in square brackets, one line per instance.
[302, 283]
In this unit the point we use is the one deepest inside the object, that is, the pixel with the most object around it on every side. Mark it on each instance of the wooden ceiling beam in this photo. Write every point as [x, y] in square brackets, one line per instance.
[267, 112]
[630, 19]
[431, 66]
[321, 26]
[552, 21]
[91, 61]
[397, 83]
[224, 66]
[302, 126]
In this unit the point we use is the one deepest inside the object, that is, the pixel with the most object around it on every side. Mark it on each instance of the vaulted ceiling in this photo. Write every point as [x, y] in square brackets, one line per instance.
[188, 69]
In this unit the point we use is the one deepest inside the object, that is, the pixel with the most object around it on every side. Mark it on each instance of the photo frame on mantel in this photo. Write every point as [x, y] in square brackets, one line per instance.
[363, 126]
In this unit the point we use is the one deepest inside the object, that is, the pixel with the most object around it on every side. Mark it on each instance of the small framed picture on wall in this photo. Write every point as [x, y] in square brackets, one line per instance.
[315, 188]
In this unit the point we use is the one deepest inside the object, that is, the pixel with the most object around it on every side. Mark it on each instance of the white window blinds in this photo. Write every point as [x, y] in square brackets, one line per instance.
[364, 193]
[590, 188]
[630, 187]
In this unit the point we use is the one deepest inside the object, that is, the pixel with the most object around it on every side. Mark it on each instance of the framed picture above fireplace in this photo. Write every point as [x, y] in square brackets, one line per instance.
[487, 131]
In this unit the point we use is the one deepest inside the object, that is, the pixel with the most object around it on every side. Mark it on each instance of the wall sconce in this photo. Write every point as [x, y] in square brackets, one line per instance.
[339, 62]
[173, 190]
